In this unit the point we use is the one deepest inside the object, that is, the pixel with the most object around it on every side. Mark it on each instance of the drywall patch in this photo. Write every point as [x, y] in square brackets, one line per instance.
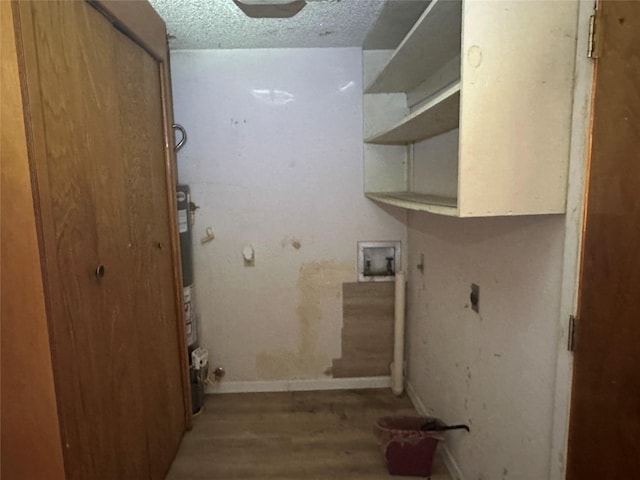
[367, 330]
[318, 282]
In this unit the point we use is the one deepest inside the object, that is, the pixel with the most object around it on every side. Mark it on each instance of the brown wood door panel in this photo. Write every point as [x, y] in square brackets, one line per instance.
[142, 134]
[605, 412]
[27, 392]
[102, 179]
[97, 380]
[116, 347]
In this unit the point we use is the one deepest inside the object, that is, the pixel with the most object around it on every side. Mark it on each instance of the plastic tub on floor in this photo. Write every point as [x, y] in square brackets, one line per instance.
[408, 449]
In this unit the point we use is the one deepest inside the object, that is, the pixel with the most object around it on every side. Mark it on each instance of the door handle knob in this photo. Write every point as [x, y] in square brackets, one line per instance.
[100, 271]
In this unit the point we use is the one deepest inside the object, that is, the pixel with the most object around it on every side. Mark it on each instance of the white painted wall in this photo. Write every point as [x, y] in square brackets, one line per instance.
[292, 173]
[505, 371]
[494, 370]
[274, 160]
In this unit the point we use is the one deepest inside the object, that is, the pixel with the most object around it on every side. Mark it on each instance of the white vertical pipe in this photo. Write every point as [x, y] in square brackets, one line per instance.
[397, 367]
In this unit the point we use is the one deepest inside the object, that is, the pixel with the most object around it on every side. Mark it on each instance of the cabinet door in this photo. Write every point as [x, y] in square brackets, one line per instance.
[99, 157]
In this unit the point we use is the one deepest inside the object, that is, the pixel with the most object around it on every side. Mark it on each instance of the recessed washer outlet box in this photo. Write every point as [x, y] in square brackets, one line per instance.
[378, 261]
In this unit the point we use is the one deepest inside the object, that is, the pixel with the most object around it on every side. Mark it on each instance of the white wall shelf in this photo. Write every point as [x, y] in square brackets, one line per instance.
[500, 73]
[439, 115]
[417, 201]
[431, 43]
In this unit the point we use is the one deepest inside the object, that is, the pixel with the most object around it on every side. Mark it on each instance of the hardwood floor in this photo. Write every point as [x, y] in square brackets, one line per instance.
[291, 435]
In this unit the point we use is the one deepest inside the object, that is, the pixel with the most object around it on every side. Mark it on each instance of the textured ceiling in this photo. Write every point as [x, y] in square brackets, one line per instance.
[211, 24]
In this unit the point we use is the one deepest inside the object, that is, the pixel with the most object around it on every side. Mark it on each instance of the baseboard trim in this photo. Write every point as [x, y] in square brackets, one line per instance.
[299, 385]
[416, 400]
[450, 463]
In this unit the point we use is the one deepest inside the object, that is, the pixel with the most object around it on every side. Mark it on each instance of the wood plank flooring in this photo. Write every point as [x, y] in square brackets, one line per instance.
[291, 435]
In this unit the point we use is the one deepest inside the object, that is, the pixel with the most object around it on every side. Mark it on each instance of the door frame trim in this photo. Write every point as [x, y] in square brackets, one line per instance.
[138, 21]
[574, 228]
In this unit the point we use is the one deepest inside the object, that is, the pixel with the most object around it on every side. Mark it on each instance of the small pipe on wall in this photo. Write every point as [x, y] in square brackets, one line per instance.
[397, 367]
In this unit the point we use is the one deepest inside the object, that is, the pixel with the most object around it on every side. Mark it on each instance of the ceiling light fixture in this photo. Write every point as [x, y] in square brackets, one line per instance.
[270, 8]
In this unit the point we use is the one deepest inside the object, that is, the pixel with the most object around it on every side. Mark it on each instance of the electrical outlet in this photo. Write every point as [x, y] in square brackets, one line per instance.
[474, 297]
[199, 358]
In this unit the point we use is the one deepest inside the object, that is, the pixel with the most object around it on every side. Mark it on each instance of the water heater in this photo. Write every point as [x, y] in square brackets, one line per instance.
[185, 226]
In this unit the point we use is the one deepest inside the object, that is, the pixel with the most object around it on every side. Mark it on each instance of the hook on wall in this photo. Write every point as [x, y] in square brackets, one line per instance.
[183, 140]
[208, 235]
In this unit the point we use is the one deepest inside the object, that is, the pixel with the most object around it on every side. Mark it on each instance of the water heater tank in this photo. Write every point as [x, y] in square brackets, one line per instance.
[183, 194]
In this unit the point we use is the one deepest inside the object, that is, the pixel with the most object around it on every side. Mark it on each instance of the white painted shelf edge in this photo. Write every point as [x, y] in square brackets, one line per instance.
[441, 114]
[417, 201]
[434, 39]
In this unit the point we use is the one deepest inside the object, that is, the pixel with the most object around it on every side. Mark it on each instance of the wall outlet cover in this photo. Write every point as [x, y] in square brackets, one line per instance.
[474, 297]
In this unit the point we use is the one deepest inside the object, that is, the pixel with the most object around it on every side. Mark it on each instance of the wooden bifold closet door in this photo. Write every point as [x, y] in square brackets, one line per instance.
[104, 196]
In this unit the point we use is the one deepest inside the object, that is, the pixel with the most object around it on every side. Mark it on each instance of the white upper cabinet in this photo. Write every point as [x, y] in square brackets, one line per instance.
[470, 115]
